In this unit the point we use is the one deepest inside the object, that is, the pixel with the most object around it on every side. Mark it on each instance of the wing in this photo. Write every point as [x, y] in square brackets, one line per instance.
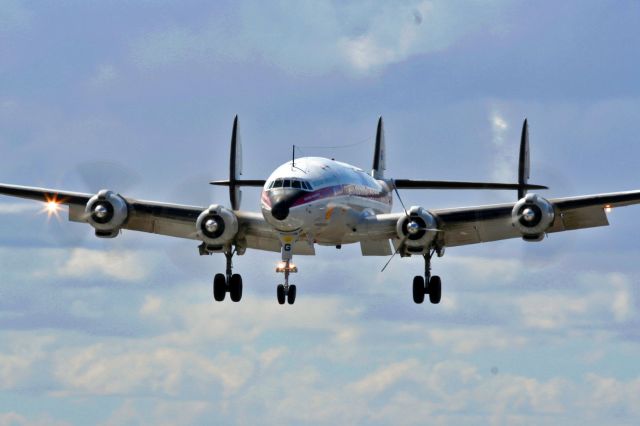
[472, 225]
[173, 220]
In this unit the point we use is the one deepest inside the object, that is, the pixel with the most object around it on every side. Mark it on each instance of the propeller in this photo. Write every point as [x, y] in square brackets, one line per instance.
[413, 228]
[182, 253]
[97, 175]
[90, 176]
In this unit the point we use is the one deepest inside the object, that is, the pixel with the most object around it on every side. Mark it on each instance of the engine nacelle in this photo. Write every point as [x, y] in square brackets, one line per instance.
[216, 227]
[106, 212]
[418, 230]
[532, 216]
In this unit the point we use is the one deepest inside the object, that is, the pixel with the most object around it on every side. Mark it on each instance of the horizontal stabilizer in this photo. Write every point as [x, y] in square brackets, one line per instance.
[239, 182]
[442, 184]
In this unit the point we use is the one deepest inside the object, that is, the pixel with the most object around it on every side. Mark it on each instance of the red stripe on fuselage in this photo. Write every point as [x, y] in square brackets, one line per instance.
[339, 190]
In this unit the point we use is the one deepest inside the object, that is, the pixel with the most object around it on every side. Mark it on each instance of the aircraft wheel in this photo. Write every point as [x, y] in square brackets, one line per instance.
[219, 287]
[418, 289]
[291, 297]
[235, 287]
[435, 289]
[281, 295]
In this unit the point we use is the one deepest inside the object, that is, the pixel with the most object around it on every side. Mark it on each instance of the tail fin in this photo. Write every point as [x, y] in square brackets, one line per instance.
[524, 164]
[235, 166]
[379, 156]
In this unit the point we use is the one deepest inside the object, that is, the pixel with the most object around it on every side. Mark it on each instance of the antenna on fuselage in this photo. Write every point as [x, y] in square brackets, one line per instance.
[293, 161]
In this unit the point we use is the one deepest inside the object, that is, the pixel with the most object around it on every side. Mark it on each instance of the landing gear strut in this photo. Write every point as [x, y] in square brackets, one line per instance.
[431, 285]
[229, 282]
[286, 292]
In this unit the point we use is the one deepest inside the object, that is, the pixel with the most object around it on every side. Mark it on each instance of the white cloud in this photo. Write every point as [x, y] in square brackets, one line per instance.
[17, 361]
[104, 74]
[382, 379]
[604, 298]
[19, 208]
[269, 356]
[125, 265]
[153, 369]
[317, 37]
[505, 160]
[473, 340]
[15, 419]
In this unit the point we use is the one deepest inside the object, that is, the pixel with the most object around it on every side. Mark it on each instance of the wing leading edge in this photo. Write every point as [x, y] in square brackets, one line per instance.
[473, 225]
[168, 219]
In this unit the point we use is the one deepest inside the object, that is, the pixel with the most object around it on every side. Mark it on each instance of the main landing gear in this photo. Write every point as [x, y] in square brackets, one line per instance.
[231, 283]
[431, 285]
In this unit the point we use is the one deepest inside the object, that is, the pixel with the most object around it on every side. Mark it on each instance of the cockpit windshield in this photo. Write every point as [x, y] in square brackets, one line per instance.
[290, 183]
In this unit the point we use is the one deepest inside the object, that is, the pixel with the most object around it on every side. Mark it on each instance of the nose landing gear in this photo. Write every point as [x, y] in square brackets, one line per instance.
[286, 292]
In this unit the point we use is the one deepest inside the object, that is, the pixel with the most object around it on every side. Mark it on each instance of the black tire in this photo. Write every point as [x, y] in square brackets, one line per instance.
[281, 295]
[418, 289]
[435, 289]
[235, 287]
[219, 287]
[291, 297]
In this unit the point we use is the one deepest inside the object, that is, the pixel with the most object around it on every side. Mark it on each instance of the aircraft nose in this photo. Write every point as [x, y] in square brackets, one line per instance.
[280, 210]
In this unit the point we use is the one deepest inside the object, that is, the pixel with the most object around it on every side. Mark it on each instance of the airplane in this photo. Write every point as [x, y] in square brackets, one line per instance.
[313, 201]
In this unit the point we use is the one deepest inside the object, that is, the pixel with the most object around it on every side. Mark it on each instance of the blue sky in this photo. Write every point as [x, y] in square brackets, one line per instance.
[140, 97]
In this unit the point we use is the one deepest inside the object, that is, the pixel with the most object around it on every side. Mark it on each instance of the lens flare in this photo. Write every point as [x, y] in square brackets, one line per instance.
[51, 207]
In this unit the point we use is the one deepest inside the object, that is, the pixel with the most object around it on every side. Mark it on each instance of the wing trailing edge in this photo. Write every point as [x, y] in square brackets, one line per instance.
[443, 184]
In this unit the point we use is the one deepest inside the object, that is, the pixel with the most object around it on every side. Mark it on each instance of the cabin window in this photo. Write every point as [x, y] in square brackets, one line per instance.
[296, 184]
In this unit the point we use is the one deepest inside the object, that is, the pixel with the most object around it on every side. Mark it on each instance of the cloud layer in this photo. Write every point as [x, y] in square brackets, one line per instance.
[140, 100]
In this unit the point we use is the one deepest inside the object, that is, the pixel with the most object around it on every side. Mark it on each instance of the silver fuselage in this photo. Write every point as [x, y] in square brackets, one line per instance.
[329, 199]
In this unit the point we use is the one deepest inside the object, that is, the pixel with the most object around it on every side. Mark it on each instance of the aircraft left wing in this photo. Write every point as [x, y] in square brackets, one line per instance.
[473, 225]
[173, 220]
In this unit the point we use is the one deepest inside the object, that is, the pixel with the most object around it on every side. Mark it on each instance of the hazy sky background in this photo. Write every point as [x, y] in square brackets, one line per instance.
[140, 97]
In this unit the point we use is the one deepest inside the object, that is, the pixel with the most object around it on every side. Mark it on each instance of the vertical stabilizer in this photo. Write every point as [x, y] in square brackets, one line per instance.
[523, 163]
[235, 166]
[379, 156]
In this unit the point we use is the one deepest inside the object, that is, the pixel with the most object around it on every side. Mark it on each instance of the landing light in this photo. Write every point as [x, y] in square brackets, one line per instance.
[51, 207]
[607, 208]
[282, 267]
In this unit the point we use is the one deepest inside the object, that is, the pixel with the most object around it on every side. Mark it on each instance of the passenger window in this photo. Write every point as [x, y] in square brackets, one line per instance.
[286, 183]
[296, 184]
[277, 184]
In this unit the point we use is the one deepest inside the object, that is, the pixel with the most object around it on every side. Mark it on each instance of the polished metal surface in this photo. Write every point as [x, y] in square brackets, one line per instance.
[100, 211]
[211, 225]
[528, 214]
[413, 228]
